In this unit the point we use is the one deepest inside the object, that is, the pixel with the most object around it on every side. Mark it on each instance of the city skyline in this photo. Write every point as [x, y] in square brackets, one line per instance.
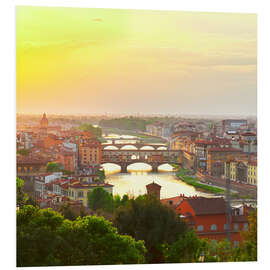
[97, 61]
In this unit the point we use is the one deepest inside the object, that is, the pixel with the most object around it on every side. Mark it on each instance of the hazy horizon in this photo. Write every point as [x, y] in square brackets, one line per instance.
[90, 61]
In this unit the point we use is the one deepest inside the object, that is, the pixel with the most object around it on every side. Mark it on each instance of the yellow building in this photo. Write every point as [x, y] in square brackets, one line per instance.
[252, 172]
[79, 191]
[233, 171]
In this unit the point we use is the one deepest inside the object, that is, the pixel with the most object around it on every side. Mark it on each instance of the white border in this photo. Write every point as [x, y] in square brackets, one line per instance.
[8, 111]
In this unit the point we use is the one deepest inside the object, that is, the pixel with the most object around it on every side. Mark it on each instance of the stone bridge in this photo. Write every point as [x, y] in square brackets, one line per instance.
[137, 145]
[155, 158]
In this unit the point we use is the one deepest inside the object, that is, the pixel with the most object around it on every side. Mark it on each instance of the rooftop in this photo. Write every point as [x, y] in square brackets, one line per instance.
[207, 206]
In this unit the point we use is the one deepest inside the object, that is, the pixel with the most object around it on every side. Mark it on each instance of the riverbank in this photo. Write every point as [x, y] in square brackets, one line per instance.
[183, 175]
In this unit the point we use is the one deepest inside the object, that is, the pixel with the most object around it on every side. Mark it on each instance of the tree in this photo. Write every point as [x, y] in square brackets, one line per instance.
[23, 152]
[21, 197]
[101, 175]
[93, 240]
[187, 248]
[249, 246]
[68, 212]
[124, 199]
[145, 218]
[53, 167]
[97, 131]
[45, 238]
[116, 201]
[99, 198]
[67, 172]
[37, 237]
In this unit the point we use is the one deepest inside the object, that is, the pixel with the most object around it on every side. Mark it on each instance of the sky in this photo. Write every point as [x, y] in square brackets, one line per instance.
[96, 61]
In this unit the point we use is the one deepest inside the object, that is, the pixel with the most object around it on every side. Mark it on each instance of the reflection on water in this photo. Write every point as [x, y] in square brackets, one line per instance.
[139, 175]
[117, 136]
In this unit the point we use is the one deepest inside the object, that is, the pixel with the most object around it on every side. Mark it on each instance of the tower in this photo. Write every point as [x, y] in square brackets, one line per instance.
[44, 125]
[44, 121]
[153, 189]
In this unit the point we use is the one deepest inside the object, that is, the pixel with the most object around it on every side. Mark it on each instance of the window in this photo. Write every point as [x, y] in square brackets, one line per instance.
[80, 194]
[200, 228]
[226, 226]
[245, 226]
[213, 227]
[235, 226]
[236, 244]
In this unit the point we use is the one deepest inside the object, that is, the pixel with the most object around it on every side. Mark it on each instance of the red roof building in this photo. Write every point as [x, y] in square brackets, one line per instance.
[208, 218]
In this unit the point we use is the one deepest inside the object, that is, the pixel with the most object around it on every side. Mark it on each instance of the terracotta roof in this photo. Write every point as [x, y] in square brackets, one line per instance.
[30, 160]
[64, 185]
[207, 206]
[205, 142]
[239, 218]
[91, 185]
[174, 201]
[252, 163]
[248, 134]
[224, 149]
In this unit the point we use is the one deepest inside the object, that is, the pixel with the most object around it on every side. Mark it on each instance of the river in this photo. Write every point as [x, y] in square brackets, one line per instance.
[139, 175]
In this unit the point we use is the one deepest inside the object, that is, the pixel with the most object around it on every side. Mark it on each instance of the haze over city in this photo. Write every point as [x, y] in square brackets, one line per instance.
[93, 61]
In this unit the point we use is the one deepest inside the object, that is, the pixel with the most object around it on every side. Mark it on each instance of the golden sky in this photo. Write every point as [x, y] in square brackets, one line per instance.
[82, 60]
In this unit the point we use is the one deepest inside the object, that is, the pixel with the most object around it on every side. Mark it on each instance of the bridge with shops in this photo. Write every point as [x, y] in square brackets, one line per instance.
[154, 158]
[138, 145]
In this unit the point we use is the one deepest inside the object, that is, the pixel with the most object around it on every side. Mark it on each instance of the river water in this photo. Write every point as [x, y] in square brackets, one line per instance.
[139, 175]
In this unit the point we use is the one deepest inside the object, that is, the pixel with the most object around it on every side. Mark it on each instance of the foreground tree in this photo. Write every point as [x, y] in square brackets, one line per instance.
[249, 246]
[44, 238]
[93, 240]
[145, 218]
[187, 248]
[21, 197]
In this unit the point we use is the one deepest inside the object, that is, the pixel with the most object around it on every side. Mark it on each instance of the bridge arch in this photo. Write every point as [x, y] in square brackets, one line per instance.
[110, 167]
[166, 167]
[111, 147]
[147, 147]
[162, 148]
[139, 166]
[129, 147]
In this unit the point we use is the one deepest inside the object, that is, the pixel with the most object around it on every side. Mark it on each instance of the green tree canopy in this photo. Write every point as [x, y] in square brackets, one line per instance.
[145, 218]
[23, 152]
[249, 246]
[97, 131]
[44, 238]
[101, 175]
[53, 167]
[126, 123]
[187, 248]
[99, 198]
[21, 197]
